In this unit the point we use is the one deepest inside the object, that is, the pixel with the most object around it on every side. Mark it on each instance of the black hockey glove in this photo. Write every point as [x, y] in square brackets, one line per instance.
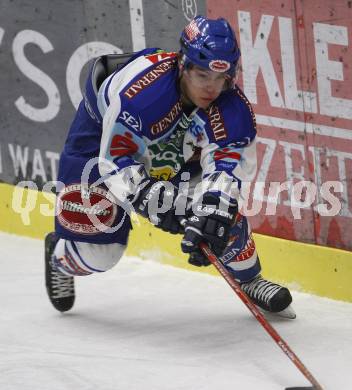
[210, 223]
[156, 202]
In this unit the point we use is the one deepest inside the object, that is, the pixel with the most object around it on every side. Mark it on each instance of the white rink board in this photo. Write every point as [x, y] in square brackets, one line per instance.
[144, 326]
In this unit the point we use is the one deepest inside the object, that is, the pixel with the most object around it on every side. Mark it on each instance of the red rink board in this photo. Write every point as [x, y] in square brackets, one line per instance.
[297, 73]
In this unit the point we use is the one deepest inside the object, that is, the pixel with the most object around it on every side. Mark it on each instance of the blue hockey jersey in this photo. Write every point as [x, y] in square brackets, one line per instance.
[133, 119]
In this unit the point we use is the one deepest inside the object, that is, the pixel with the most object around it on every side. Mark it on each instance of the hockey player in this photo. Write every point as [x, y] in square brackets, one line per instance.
[150, 124]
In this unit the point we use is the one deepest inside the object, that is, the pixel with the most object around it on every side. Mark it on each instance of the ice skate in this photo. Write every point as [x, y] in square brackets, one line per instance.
[270, 297]
[60, 287]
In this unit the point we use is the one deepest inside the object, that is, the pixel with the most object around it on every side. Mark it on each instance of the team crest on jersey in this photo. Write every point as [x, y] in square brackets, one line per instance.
[81, 210]
[168, 156]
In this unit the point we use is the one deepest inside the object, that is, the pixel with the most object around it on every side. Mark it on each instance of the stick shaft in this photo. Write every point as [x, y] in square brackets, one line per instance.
[259, 316]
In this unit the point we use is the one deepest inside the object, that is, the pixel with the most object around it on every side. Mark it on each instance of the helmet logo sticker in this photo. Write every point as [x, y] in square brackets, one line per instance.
[219, 65]
[192, 30]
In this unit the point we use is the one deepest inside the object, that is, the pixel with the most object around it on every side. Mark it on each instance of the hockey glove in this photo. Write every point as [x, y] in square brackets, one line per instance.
[155, 201]
[210, 223]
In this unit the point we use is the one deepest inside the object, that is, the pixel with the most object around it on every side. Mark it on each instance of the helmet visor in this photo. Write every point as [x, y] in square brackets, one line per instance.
[203, 78]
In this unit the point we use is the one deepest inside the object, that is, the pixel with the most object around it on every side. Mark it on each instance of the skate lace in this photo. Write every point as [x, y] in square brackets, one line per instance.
[62, 285]
[260, 289]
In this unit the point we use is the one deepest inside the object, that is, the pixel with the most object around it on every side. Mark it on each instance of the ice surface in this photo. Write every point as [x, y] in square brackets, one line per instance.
[147, 326]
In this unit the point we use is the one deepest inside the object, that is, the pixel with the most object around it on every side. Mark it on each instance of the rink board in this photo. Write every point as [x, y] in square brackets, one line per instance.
[309, 268]
[296, 73]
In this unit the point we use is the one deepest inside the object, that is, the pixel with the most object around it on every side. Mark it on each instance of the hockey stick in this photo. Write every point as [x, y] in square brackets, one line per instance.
[261, 318]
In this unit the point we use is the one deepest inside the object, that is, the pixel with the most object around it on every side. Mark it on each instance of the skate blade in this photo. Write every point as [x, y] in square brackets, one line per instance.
[287, 313]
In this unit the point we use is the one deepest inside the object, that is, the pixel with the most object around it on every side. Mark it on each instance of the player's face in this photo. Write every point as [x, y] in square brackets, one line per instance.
[202, 86]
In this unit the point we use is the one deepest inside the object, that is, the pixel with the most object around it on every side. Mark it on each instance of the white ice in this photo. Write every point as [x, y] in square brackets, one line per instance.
[145, 326]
